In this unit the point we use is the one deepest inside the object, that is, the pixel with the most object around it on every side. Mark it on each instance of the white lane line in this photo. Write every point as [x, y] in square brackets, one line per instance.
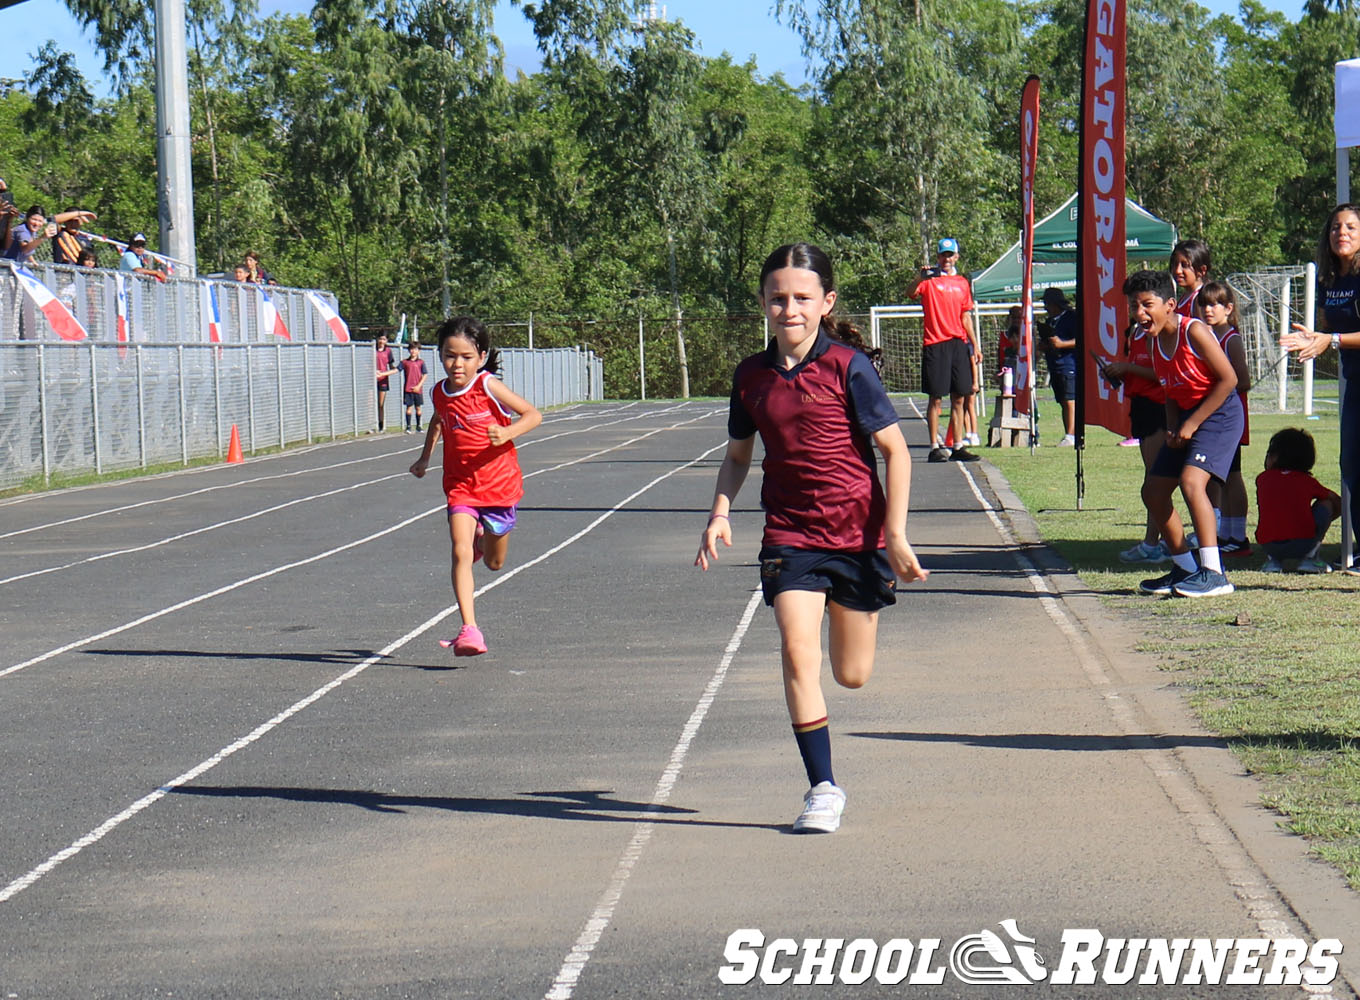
[199, 531]
[226, 589]
[113, 822]
[152, 616]
[600, 917]
[317, 496]
[303, 472]
[191, 493]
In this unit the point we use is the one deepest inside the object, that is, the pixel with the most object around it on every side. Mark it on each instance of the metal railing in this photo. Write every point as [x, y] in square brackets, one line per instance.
[67, 409]
[180, 310]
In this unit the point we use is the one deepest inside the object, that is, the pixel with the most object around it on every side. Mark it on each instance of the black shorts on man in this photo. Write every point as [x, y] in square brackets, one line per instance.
[947, 369]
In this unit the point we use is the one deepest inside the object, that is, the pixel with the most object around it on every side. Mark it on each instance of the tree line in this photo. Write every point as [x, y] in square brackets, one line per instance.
[377, 147]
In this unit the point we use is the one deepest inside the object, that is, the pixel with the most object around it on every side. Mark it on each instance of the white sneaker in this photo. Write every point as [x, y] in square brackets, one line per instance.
[822, 807]
[1068, 441]
[974, 440]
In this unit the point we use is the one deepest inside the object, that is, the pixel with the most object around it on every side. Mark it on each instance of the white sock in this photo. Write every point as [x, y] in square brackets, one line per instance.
[1208, 558]
[1186, 560]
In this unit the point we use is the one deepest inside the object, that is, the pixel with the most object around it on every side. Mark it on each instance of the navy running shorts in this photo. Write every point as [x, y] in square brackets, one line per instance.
[411, 399]
[860, 581]
[1211, 449]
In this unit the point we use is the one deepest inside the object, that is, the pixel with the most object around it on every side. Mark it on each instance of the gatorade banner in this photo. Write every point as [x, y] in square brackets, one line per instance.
[1029, 153]
[1101, 306]
[63, 324]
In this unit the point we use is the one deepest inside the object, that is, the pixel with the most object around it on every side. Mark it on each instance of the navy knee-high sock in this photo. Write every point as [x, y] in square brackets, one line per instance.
[814, 743]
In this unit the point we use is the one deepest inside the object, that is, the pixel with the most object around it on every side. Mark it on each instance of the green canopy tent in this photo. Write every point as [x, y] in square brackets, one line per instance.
[1055, 252]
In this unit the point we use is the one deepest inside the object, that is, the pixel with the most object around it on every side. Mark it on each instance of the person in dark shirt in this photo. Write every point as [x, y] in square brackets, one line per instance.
[834, 538]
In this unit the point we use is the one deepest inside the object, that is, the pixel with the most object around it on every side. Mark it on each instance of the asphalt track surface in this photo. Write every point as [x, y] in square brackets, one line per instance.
[236, 763]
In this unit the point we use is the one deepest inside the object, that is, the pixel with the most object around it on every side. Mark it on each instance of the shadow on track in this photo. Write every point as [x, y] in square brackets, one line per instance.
[588, 805]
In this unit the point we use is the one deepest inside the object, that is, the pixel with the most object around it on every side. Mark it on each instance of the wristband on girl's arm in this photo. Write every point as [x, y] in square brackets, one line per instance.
[714, 517]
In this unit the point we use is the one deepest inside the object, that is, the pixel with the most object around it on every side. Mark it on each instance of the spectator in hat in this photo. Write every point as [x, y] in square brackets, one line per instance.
[135, 259]
[70, 239]
[950, 353]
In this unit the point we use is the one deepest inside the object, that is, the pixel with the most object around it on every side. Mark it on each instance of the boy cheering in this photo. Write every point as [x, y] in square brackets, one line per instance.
[1203, 428]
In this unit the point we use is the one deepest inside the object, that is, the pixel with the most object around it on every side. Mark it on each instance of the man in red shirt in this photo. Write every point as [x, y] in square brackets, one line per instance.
[948, 349]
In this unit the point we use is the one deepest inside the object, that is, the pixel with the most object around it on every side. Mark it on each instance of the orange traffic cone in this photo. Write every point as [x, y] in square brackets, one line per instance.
[234, 449]
[949, 435]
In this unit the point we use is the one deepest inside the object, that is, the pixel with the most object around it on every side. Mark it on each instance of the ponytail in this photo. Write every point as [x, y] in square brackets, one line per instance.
[847, 333]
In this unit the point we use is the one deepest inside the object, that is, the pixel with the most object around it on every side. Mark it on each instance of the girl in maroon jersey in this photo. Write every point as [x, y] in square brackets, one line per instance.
[476, 415]
[834, 538]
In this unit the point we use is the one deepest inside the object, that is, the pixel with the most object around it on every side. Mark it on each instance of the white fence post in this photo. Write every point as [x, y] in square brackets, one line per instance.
[42, 415]
[94, 406]
[278, 378]
[183, 415]
[642, 360]
[250, 397]
[141, 408]
[1310, 321]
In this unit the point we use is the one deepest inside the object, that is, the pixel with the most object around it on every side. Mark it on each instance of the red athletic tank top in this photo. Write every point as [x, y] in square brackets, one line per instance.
[1186, 376]
[476, 472]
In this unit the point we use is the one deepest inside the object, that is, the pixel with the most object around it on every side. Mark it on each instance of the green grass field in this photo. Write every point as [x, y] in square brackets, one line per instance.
[1283, 689]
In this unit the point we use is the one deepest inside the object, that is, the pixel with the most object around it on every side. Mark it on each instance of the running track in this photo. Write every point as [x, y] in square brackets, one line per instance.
[236, 763]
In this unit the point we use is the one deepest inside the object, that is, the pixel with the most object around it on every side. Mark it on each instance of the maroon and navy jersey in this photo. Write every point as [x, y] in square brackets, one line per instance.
[816, 421]
[1186, 376]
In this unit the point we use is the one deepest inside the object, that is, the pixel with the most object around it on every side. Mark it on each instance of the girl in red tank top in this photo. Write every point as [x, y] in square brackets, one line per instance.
[478, 417]
[1190, 269]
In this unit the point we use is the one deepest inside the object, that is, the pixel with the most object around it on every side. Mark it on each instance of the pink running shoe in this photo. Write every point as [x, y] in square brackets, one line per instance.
[469, 642]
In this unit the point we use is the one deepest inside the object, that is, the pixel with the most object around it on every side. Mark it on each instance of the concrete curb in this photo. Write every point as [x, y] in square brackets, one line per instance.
[1260, 858]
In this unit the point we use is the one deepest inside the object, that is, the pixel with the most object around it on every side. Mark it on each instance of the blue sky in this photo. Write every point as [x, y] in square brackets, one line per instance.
[740, 27]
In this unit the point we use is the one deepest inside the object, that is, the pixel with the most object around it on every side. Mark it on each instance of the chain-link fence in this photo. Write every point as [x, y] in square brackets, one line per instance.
[73, 408]
[1268, 301]
[152, 311]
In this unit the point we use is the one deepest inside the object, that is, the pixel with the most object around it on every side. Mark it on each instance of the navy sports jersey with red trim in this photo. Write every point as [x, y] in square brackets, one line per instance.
[820, 487]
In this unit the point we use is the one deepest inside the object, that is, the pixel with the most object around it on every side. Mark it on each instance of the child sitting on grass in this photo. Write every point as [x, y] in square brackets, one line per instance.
[1295, 510]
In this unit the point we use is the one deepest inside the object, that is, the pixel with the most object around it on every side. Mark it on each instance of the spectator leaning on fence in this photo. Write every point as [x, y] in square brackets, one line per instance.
[69, 241]
[257, 274]
[25, 240]
[134, 259]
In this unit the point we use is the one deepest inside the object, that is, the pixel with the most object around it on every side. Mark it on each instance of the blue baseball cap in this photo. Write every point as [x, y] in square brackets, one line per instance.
[948, 245]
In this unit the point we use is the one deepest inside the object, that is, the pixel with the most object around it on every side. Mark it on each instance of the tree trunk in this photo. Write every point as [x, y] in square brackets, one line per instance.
[679, 322]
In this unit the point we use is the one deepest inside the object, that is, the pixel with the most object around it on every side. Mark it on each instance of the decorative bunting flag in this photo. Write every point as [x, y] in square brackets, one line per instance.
[212, 318]
[63, 324]
[120, 330]
[333, 320]
[270, 320]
